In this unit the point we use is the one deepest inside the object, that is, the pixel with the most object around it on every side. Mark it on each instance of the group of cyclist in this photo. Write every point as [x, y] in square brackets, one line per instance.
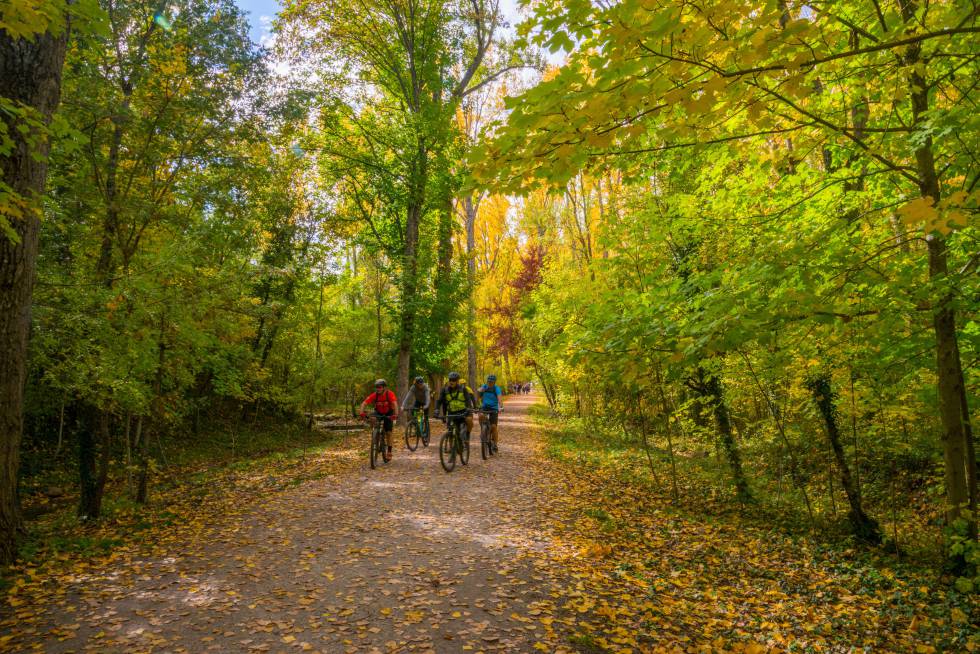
[521, 388]
[456, 403]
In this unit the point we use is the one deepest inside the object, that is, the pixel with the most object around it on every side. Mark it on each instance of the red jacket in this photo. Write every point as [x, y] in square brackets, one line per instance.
[384, 403]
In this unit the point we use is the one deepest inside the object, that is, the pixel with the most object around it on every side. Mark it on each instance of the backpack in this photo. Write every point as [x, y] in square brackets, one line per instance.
[383, 403]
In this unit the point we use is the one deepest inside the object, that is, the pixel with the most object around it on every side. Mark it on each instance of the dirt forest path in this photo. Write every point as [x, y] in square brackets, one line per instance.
[405, 558]
[521, 553]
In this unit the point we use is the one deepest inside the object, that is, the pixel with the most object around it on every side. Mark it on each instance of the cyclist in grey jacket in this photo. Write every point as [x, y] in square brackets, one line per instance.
[418, 398]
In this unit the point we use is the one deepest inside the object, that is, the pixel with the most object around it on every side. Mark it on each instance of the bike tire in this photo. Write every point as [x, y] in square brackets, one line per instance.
[484, 442]
[464, 449]
[412, 436]
[425, 433]
[383, 446]
[447, 451]
[374, 449]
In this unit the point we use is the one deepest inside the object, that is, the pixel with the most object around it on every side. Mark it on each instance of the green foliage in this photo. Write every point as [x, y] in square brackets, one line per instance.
[763, 184]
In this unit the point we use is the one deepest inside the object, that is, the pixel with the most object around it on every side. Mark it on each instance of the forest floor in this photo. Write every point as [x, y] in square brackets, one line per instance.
[520, 553]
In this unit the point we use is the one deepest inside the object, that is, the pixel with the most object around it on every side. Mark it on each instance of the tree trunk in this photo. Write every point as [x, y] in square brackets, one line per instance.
[143, 440]
[128, 444]
[666, 411]
[142, 492]
[409, 284]
[470, 207]
[316, 362]
[444, 295]
[641, 415]
[864, 526]
[960, 467]
[93, 459]
[713, 391]
[30, 75]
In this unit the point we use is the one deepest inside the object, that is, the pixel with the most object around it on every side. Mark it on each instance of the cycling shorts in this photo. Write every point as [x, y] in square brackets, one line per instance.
[386, 420]
[458, 418]
[492, 415]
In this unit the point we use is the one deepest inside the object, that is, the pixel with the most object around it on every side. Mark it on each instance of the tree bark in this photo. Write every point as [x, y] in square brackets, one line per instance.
[471, 207]
[316, 360]
[712, 390]
[444, 294]
[864, 526]
[90, 498]
[30, 77]
[142, 492]
[409, 284]
[960, 466]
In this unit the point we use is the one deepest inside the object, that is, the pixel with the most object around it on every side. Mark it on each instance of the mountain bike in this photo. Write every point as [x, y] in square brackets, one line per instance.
[416, 430]
[455, 442]
[487, 448]
[378, 444]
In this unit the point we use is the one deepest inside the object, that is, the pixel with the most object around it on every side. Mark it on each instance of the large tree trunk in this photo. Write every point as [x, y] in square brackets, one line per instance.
[960, 464]
[863, 526]
[93, 456]
[470, 207]
[30, 75]
[406, 338]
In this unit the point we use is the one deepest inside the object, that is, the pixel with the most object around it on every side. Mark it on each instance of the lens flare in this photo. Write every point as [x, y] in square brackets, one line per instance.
[162, 21]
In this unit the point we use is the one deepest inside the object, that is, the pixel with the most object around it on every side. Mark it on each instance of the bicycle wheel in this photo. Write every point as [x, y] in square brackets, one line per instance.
[485, 441]
[374, 448]
[464, 446]
[447, 451]
[383, 446]
[412, 435]
[425, 432]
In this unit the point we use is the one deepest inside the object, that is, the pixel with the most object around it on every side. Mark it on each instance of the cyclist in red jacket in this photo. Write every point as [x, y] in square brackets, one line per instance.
[385, 404]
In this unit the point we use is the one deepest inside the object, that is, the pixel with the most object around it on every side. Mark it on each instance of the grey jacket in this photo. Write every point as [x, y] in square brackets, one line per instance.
[410, 397]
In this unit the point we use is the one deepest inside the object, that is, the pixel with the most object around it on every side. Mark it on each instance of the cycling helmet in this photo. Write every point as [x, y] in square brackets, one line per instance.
[454, 376]
[380, 382]
[491, 379]
[420, 379]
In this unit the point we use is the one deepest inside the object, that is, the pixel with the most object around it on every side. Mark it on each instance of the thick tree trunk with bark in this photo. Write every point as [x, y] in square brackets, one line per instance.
[957, 436]
[409, 288]
[30, 75]
[864, 526]
[94, 444]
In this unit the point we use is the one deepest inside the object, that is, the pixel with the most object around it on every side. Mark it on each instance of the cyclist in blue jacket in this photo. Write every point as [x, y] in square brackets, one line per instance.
[491, 400]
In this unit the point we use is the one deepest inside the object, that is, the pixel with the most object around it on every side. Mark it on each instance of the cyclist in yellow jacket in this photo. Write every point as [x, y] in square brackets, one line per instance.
[455, 401]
